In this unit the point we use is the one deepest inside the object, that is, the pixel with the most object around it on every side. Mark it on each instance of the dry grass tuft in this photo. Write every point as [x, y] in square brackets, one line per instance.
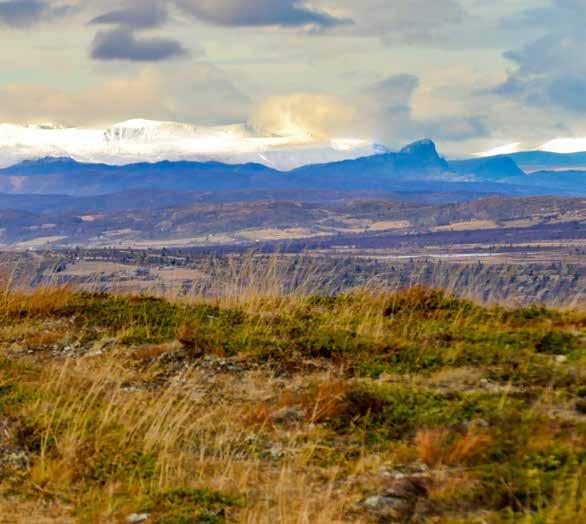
[41, 301]
[440, 447]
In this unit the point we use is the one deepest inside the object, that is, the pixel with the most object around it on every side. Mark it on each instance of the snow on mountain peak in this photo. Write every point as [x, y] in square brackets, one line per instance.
[506, 149]
[152, 130]
[142, 140]
[139, 123]
[557, 145]
[47, 126]
[564, 145]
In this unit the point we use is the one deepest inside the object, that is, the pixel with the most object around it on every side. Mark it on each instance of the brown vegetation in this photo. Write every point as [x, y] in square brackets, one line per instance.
[264, 407]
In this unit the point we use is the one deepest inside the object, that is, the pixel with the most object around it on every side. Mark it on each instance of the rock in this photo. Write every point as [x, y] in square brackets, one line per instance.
[408, 487]
[491, 386]
[100, 346]
[389, 473]
[251, 439]
[277, 452]
[420, 468]
[415, 470]
[475, 424]
[561, 359]
[135, 518]
[287, 414]
[15, 459]
[383, 502]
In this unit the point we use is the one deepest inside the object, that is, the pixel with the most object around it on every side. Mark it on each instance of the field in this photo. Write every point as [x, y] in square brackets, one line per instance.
[259, 405]
[365, 224]
[553, 275]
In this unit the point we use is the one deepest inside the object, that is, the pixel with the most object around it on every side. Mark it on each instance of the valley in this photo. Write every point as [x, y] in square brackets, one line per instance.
[482, 228]
[363, 224]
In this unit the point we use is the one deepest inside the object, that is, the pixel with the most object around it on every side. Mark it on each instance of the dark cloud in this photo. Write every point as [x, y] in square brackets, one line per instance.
[395, 91]
[389, 106]
[550, 70]
[21, 12]
[568, 91]
[404, 21]
[123, 44]
[126, 40]
[456, 129]
[24, 13]
[285, 13]
[138, 17]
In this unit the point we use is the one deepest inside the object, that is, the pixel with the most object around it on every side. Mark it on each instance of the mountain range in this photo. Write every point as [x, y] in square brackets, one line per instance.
[63, 202]
[416, 168]
[142, 140]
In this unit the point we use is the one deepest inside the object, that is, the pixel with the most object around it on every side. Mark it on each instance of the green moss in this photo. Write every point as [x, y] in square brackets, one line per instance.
[142, 320]
[429, 303]
[111, 463]
[557, 343]
[531, 313]
[190, 506]
[390, 412]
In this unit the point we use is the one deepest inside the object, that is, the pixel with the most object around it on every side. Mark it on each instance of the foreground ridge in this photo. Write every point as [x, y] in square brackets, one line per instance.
[365, 407]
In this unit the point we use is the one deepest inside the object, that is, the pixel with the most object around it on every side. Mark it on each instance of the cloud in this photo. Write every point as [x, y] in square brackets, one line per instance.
[402, 21]
[125, 40]
[319, 115]
[284, 13]
[114, 99]
[394, 92]
[205, 93]
[550, 70]
[137, 17]
[123, 44]
[25, 13]
[382, 111]
[148, 94]
[386, 111]
[440, 41]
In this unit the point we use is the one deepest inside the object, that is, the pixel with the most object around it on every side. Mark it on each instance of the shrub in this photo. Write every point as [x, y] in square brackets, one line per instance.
[556, 343]
[424, 300]
[392, 412]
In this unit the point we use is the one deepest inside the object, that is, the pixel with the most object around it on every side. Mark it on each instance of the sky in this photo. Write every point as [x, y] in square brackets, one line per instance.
[470, 74]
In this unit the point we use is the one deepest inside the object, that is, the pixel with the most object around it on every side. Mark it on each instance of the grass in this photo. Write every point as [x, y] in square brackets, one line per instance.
[271, 407]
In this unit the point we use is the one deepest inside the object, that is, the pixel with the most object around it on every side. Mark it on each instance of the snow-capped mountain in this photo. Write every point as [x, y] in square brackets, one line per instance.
[151, 141]
[557, 145]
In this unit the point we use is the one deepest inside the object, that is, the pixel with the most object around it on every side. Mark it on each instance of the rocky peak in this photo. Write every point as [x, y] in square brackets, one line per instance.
[423, 155]
[424, 149]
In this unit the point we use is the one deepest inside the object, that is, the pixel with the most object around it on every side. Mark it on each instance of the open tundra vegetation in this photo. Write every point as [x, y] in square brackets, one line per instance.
[259, 406]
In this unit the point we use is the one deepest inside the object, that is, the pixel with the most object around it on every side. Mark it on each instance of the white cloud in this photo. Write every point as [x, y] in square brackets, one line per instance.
[148, 94]
[320, 116]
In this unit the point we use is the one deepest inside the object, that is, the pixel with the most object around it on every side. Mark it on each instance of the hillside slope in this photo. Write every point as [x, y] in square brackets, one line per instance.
[268, 220]
[263, 408]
